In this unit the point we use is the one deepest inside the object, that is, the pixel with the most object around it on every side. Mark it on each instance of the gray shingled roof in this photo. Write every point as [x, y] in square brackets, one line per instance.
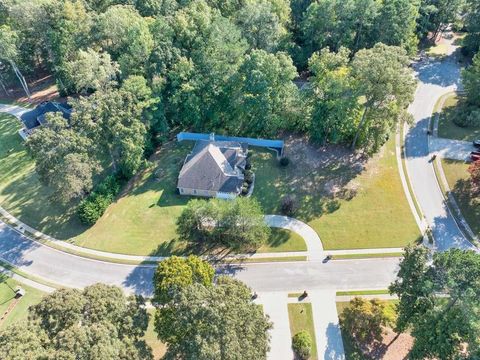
[214, 166]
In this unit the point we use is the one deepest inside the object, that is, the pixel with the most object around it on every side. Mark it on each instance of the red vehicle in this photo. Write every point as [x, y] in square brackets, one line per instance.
[475, 157]
[475, 153]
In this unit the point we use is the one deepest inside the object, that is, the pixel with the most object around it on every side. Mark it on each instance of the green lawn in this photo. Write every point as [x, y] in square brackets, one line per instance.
[150, 337]
[369, 218]
[448, 129]
[301, 318]
[21, 192]
[142, 220]
[32, 296]
[458, 180]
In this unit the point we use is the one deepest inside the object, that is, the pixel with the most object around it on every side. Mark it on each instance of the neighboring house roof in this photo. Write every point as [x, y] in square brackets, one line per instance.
[36, 117]
[214, 166]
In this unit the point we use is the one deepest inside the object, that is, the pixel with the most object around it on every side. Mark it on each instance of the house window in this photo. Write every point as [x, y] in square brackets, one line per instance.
[181, 190]
[195, 192]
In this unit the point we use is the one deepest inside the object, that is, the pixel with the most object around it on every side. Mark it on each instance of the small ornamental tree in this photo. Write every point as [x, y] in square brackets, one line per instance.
[176, 273]
[474, 170]
[302, 344]
[363, 320]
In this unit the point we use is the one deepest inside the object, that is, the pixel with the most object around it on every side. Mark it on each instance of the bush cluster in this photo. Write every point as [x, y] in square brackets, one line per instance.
[302, 344]
[467, 116]
[95, 204]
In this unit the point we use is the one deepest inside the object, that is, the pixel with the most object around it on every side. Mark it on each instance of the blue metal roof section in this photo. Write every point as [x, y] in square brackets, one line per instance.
[271, 144]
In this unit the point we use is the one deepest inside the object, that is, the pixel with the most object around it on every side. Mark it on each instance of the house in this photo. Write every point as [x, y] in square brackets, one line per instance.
[37, 117]
[214, 169]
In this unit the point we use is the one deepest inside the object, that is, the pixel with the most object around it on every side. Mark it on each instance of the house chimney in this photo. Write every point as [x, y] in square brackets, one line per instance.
[212, 136]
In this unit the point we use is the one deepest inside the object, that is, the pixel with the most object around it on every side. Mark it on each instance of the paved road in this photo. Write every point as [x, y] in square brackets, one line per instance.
[436, 78]
[74, 271]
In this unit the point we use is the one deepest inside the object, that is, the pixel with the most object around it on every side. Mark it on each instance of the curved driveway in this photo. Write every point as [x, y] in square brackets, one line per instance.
[436, 78]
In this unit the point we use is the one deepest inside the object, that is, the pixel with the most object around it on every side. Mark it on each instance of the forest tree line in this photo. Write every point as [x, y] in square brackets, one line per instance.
[137, 69]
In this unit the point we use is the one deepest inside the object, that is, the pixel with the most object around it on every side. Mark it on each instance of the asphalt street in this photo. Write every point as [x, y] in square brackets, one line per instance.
[73, 271]
[436, 78]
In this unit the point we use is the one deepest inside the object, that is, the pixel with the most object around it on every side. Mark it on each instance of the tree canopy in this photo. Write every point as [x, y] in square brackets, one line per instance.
[238, 224]
[441, 325]
[98, 322]
[237, 328]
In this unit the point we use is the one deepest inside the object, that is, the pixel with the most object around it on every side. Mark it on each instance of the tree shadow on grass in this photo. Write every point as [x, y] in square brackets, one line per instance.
[317, 176]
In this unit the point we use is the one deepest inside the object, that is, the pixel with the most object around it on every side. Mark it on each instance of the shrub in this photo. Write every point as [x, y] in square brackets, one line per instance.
[302, 344]
[248, 174]
[289, 205]
[95, 204]
[93, 207]
[284, 161]
[248, 165]
[467, 116]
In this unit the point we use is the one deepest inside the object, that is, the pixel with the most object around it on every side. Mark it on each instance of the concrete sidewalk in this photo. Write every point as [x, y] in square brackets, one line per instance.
[275, 306]
[327, 328]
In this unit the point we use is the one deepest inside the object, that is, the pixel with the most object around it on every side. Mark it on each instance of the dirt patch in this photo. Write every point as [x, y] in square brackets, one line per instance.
[393, 347]
[314, 161]
[42, 89]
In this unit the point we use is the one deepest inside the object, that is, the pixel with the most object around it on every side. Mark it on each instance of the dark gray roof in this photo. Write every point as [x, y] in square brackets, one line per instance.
[214, 166]
[36, 117]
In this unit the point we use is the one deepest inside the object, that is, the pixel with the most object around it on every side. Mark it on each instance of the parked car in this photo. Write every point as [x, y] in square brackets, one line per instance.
[475, 157]
[476, 143]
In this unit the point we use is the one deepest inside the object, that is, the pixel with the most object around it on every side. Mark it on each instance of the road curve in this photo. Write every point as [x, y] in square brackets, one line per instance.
[73, 271]
[436, 78]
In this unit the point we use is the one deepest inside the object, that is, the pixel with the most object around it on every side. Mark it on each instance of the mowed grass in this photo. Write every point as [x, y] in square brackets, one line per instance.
[458, 180]
[301, 318]
[7, 292]
[376, 215]
[143, 219]
[21, 192]
[151, 338]
[448, 129]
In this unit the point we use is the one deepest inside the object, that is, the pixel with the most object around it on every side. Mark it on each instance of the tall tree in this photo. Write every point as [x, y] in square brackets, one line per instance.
[237, 328]
[260, 25]
[198, 93]
[441, 326]
[332, 97]
[238, 224]
[9, 52]
[268, 100]
[436, 15]
[90, 71]
[363, 321]
[386, 86]
[472, 24]
[176, 273]
[471, 81]
[396, 24]
[96, 323]
[64, 159]
[113, 120]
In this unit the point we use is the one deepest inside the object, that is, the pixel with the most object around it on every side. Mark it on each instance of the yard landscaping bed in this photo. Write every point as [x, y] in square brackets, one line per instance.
[351, 203]
[391, 348]
[458, 181]
[301, 318]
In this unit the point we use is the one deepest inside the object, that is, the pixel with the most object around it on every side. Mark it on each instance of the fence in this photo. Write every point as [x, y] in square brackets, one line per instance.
[276, 145]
